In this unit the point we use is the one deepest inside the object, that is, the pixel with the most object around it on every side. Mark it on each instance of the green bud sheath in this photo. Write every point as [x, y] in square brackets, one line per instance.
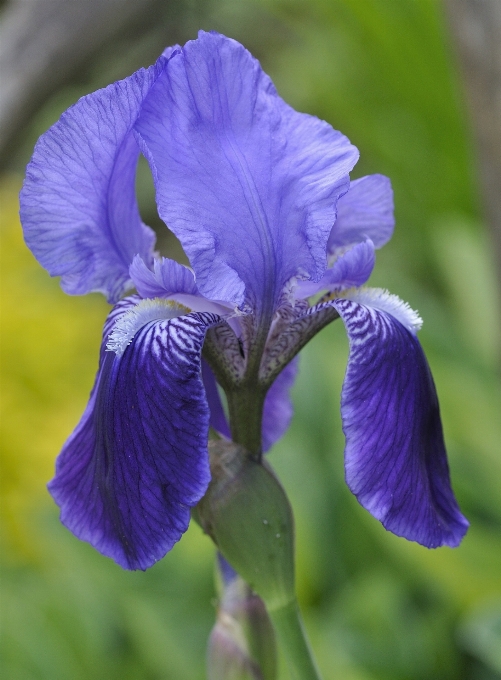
[248, 516]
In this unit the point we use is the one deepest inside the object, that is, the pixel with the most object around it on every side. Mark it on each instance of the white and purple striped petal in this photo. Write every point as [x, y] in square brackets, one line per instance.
[78, 205]
[248, 185]
[395, 455]
[137, 462]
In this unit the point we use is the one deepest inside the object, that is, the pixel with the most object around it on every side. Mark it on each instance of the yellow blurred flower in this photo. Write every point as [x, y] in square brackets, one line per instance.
[49, 353]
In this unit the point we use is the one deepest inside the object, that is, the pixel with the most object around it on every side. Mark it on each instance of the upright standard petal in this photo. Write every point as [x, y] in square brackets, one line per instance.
[247, 184]
[395, 455]
[365, 212]
[137, 462]
[78, 206]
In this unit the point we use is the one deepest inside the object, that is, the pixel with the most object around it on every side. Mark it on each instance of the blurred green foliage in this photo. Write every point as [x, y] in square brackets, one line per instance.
[376, 606]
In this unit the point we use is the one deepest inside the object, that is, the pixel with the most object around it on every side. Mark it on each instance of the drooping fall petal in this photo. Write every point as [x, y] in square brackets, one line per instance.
[395, 455]
[137, 462]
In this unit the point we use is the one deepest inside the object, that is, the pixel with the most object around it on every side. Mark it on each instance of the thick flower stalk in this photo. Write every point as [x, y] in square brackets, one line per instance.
[261, 200]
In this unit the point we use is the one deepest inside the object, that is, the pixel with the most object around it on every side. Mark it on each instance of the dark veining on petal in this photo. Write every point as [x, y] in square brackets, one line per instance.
[223, 352]
[288, 338]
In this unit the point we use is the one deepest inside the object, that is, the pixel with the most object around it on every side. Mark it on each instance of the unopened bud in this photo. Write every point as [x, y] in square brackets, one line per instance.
[227, 659]
[242, 643]
[248, 515]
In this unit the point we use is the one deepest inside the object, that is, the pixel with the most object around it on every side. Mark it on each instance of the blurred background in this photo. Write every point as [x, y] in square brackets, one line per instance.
[415, 84]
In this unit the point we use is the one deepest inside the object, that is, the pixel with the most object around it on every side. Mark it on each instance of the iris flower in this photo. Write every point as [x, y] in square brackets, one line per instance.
[261, 200]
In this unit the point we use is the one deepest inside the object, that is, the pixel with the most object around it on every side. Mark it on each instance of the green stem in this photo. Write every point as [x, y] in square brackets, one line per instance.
[245, 405]
[291, 634]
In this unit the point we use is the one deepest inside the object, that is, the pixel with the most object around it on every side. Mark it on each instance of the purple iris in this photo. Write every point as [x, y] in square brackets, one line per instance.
[261, 201]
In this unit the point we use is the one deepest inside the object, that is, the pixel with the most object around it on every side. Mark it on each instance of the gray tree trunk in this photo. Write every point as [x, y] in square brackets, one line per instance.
[476, 28]
[43, 43]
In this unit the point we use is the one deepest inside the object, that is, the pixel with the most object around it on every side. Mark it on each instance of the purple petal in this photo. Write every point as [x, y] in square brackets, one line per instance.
[137, 462]
[78, 206]
[228, 574]
[366, 211]
[351, 270]
[217, 416]
[395, 455]
[167, 278]
[248, 185]
[278, 409]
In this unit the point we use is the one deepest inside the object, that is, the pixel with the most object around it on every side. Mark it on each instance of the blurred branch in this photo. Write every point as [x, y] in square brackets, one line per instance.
[476, 28]
[43, 43]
